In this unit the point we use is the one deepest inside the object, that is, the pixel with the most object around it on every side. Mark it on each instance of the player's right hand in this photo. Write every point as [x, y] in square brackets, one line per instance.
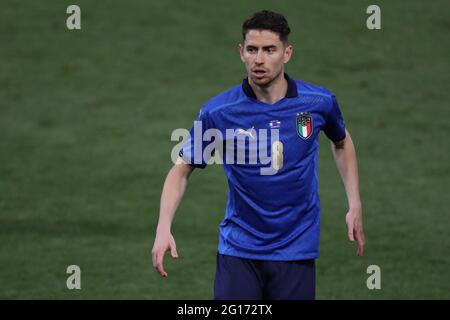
[164, 242]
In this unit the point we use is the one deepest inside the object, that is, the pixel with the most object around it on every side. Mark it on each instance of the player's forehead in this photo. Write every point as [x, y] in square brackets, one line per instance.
[262, 38]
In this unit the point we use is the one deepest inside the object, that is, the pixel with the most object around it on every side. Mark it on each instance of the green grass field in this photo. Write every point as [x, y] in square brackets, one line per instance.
[85, 124]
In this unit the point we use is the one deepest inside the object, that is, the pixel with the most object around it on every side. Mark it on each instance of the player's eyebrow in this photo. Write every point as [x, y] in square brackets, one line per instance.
[271, 46]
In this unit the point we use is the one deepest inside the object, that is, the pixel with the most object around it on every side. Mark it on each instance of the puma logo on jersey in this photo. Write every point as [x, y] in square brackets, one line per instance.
[248, 132]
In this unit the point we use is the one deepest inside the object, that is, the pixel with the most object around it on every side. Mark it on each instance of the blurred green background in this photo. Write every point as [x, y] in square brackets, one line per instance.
[85, 124]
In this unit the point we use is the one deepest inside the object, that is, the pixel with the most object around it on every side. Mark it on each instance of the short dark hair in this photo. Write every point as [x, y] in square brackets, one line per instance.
[267, 20]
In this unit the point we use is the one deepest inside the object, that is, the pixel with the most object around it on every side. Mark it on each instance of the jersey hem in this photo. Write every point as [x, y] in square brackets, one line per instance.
[265, 257]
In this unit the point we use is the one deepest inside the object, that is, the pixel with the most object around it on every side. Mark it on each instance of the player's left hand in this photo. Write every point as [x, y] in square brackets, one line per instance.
[354, 222]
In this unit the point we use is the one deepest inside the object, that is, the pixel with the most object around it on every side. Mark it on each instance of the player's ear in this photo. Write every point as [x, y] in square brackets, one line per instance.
[240, 48]
[288, 53]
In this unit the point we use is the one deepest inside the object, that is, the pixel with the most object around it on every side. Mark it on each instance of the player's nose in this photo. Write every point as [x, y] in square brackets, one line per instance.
[259, 57]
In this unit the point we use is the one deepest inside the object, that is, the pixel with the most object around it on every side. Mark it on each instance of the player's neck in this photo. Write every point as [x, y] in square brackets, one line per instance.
[272, 93]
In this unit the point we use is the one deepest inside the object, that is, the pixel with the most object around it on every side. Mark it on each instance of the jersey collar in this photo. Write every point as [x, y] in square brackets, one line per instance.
[290, 93]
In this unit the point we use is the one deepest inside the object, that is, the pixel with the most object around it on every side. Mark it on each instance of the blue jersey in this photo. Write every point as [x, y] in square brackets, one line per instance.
[272, 214]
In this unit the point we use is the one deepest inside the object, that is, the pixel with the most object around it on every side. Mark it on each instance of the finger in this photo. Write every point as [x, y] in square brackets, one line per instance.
[360, 249]
[360, 239]
[160, 266]
[350, 230]
[161, 270]
[173, 249]
[155, 259]
[173, 252]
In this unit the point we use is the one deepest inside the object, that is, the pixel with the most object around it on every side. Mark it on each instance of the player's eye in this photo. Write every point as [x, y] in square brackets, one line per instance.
[251, 50]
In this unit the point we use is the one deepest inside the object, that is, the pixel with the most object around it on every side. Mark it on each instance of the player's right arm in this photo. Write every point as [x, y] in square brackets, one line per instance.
[172, 193]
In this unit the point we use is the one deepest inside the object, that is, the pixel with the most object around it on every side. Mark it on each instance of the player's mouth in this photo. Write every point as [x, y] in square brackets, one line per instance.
[259, 73]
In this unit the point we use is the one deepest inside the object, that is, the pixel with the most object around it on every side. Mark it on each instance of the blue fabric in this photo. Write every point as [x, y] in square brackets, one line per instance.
[246, 279]
[270, 217]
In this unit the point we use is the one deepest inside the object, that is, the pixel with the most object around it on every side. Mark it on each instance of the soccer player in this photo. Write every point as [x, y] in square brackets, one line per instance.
[270, 233]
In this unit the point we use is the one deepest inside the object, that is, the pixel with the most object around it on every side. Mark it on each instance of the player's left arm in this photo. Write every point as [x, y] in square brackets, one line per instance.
[345, 157]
